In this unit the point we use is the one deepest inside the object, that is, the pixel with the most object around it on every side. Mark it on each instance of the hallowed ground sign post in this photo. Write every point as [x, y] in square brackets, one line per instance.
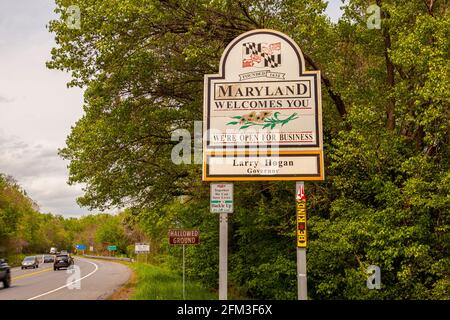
[263, 121]
[184, 237]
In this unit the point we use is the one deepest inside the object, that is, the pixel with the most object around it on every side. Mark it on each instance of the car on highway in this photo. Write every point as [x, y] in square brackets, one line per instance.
[30, 262]
[5, 273]
[49, 259]
[62, 261]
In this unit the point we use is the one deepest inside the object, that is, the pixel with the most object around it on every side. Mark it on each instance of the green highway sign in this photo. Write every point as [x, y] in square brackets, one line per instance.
[112, 248]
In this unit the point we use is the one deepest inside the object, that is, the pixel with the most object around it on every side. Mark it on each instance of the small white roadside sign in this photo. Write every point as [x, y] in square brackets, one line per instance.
[221, 197]
[141, 248]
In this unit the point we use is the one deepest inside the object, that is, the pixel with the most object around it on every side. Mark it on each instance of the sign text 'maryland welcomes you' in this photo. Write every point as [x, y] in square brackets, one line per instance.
[262, 113]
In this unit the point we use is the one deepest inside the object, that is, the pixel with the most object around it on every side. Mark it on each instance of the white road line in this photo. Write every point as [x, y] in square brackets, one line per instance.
[54, 290]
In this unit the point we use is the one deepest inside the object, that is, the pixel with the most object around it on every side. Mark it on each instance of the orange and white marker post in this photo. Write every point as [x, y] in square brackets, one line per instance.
[301, 240]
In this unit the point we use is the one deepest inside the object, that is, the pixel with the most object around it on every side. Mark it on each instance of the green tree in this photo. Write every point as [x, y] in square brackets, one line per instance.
[111, 232]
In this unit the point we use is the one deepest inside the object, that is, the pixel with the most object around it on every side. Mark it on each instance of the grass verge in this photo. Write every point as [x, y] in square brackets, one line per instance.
[158, 283]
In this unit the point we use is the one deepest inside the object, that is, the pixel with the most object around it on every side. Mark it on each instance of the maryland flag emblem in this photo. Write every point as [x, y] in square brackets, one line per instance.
[261, 55]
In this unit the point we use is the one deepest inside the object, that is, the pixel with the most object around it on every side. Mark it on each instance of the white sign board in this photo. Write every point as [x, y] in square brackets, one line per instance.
[91, 248]
[262, 113]
[222, 197]
[141, 248]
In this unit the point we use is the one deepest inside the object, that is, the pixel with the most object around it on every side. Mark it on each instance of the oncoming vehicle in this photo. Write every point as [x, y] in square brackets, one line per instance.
[62, 261]
[49, 259]
[30, 262]
[5, 273]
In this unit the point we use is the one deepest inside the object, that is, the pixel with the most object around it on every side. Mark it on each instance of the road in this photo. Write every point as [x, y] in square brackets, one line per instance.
[92, 280]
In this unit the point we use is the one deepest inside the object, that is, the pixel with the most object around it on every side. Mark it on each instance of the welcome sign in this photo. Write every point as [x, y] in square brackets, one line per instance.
[262, 113]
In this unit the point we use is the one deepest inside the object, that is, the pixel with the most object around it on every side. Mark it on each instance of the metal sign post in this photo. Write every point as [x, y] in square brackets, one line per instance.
[223, 257]
[222, 203]
[301, 240]
[184, 274]
[301, 272]
[184, 237]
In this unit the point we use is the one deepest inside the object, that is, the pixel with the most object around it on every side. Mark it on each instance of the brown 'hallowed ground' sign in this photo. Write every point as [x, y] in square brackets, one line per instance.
[181, 236]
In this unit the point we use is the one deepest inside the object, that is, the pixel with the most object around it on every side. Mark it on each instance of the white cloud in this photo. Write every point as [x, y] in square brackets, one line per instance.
[42, 173]
[28, 161]
[333, 9]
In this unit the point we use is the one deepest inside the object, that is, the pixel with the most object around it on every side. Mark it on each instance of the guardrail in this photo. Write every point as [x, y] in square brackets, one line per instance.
[108, 258]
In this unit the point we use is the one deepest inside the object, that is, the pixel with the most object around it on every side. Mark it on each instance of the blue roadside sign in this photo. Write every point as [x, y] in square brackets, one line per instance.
[80, 247]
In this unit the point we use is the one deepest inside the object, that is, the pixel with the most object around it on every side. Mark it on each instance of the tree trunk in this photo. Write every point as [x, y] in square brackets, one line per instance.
[390, 69]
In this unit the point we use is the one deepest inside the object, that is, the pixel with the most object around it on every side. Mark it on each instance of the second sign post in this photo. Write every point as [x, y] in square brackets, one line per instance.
[222, 203]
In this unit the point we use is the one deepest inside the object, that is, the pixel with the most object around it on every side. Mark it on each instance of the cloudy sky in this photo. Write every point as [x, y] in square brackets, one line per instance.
[36, 108]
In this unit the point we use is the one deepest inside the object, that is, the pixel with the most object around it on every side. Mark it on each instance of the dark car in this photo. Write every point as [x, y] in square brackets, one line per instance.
[62, 261]
[49, 259]
[5, 273]
[30, 262]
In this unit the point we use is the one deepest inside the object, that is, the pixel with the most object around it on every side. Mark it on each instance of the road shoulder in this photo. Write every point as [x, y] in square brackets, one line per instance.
[127, 290]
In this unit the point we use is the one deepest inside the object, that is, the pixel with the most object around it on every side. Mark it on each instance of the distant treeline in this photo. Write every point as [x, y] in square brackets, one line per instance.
[23, 229]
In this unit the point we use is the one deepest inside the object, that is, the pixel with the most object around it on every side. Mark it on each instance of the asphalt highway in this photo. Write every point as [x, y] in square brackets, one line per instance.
[88, 280]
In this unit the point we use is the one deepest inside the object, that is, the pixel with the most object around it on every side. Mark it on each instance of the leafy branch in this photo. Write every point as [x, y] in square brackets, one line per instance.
[264, 123]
